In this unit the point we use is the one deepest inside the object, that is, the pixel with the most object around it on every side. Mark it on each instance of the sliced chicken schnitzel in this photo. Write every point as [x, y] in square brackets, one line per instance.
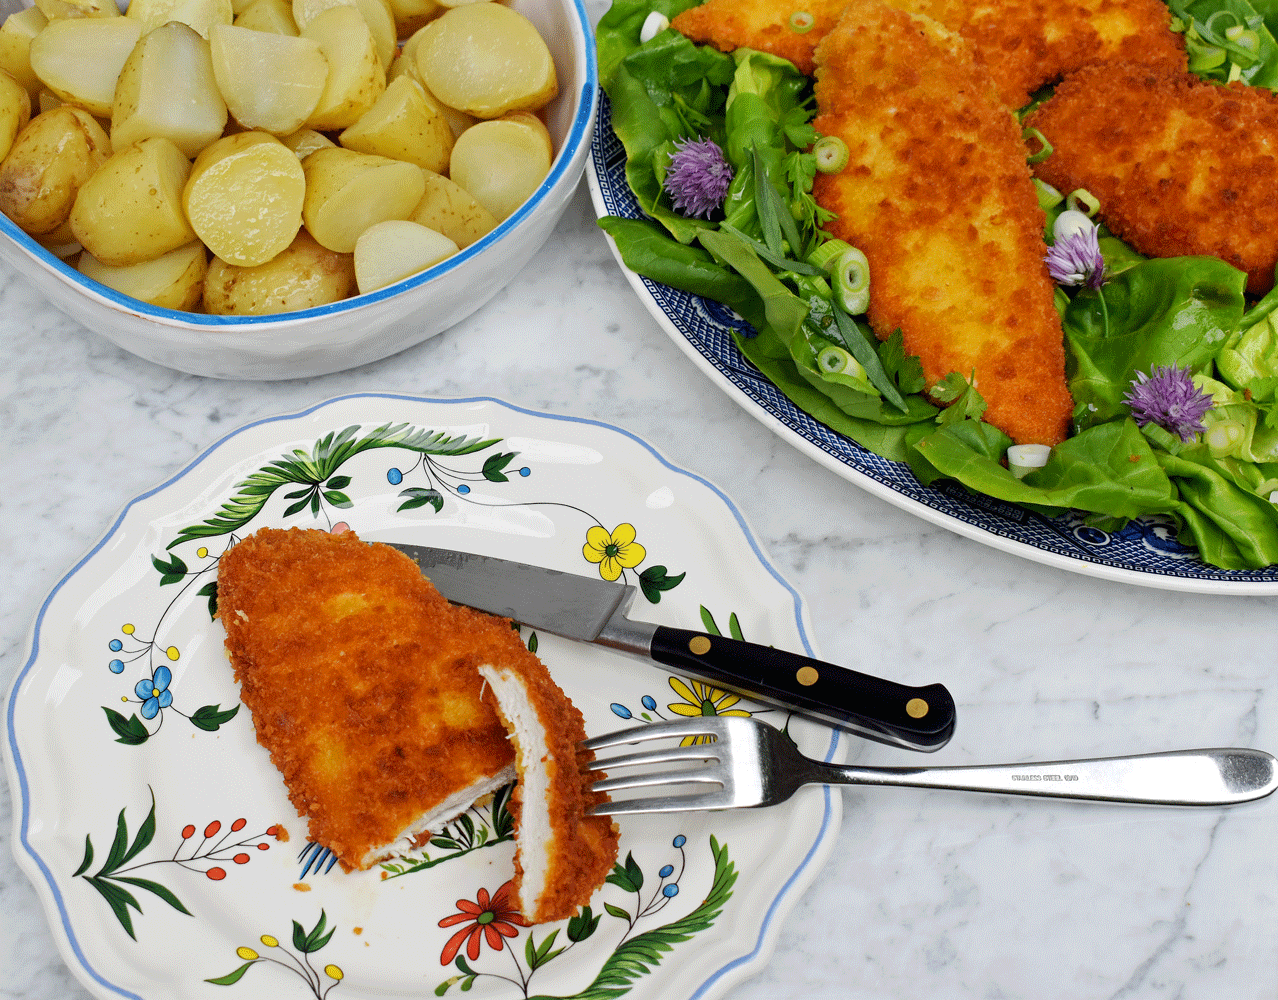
[1181, 166]
[938, 196]
[563, 855]
[1022, 44]
[364, 687]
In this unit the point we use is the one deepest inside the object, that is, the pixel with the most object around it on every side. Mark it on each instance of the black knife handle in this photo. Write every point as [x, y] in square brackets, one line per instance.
[920, 718]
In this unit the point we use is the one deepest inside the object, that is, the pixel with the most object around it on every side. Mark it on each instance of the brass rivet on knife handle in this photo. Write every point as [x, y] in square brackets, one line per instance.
[699, 645]
[916, 708]
[807, 676]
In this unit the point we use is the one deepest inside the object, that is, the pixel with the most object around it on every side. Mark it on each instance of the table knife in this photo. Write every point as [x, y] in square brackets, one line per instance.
[591, 609]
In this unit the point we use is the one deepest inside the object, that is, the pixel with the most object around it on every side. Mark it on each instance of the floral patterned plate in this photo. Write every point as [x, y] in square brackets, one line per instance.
[159, 835]
[1145, 552]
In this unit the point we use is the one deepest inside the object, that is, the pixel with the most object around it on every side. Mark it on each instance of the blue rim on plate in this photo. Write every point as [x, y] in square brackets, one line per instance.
[1144, 552]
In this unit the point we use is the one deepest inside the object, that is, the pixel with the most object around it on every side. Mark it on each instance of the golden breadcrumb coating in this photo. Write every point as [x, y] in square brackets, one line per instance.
[1180, 166]
[582, 848]
[362, 682]
[1022, 44]
[938, 196]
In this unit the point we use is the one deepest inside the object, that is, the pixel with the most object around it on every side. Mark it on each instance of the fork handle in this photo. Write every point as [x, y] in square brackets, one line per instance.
[918, 718]
[1183, 777]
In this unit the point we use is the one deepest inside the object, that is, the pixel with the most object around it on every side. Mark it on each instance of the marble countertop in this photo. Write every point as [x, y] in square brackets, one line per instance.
[927, 894]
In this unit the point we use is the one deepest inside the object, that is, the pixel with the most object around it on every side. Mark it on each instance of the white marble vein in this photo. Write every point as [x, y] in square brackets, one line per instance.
[928, 894]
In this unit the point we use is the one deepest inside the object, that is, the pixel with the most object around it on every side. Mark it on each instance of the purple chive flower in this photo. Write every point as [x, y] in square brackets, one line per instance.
[698, 177]
[1169, 398]
[1075, 258]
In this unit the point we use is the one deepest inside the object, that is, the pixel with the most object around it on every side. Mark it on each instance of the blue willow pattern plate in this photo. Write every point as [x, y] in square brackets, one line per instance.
[1144, 552]
[160, 838]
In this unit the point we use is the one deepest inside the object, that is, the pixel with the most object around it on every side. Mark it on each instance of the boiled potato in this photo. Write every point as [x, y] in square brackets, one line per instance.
[410, 15]
[199, 14]
[406, 64]
[168, 88]
[15, 47]
[269, 82]
[376, 13]
[302, 276]
[15, 111]
[60, 9]
[238, 7]
[244, 197]
[174, 280]
[305, 141]
[47, 101]
[130, 211]
[355, 75]
[346, 192]
[446, 208]
[486, 60]
[403, 125]
[268, 15]
[50, 158]
[394, 249]
[502, 162]
[80, 59]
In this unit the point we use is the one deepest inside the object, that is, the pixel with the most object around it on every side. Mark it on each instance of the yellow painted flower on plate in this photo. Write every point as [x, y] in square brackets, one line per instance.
[701, 699]
[613, 551]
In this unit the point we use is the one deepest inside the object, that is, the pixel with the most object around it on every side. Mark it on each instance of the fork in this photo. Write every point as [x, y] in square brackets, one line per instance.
[749, 763]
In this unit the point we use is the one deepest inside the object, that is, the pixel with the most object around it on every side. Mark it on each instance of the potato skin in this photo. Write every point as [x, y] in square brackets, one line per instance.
[15, 111]
[174, 280]
[130, 210]
[302, 276]
[57, 152]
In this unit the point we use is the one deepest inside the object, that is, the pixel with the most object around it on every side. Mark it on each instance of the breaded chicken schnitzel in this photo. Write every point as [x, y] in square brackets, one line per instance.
[938, 196]
[1022, 44]
[364, 687]
[562, 854]
[1180, 166]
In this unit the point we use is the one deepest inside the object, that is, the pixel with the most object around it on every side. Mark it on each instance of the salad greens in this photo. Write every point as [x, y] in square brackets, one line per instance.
[761, 256]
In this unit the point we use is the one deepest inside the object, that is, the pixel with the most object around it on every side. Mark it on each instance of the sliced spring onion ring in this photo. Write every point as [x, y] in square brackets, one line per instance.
[829, 251]
[1021, 458]
[835, 361]
[1082, 200]
[1048, 196]
[1033, 135]
[831, 154]
[653, 25]
[801, 22]
[850, 279]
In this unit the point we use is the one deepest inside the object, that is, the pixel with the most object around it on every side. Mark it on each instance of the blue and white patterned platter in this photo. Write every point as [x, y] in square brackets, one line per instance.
[158, 834]
[1145, 553]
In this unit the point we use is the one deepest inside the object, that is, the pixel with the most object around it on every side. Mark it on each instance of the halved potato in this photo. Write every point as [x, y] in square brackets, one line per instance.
[268, 15]
[376, 13]
[130, 210]
[305, 141]
[269, 82]
[15, 47]
[410, 15]
[244, 197]
[346, 192]
[355, 75]
[167, 88]
[447, 208]
[501, 162]
[406, 64]
[486, 59]
[403, 125]
[60, 9]
[199, 14]
[174, 280]
[49, 160]
[302, 276]
[15, 111]
[80, 59]
[391, 250]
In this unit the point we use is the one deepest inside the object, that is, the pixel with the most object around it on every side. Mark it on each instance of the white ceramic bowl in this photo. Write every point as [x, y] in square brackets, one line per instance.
[368, 327]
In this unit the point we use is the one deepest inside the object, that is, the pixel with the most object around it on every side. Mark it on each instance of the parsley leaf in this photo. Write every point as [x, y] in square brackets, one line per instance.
[905, 370]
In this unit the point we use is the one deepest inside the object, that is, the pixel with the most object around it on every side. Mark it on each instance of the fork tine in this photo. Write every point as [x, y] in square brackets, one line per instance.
[699, 802]
[650, 778]
[674, 729]
[703, 751]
